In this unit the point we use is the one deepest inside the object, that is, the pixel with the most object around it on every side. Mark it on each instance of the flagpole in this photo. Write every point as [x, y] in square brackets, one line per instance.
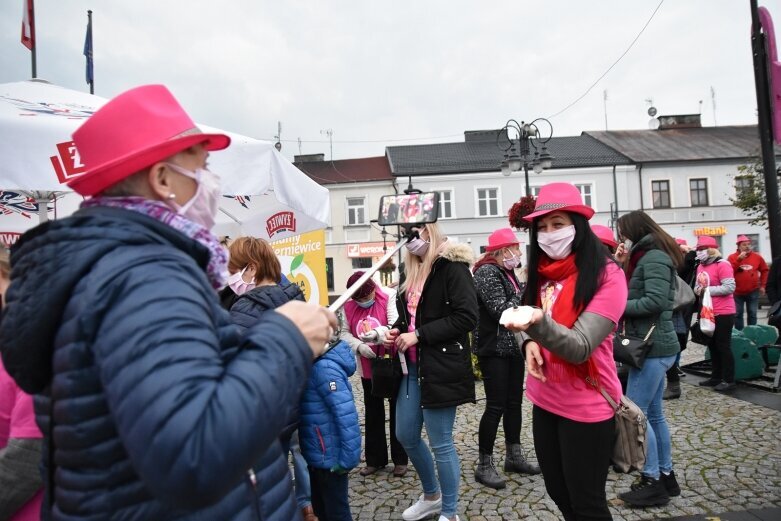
[92, 76]
[32, 34]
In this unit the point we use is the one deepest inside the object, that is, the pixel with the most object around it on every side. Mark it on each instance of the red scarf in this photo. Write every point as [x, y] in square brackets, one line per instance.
[565, 313]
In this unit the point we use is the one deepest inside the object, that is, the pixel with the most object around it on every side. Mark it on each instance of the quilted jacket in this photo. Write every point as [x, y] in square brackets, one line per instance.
[496, 293]
[161, 409]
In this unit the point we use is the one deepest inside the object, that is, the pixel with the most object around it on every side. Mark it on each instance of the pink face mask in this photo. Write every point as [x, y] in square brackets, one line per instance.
[237, 283]
[202, 207]
[418, 247]
[557, 245]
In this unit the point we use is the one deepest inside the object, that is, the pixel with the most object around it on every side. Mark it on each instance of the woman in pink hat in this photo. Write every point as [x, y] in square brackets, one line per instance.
[716, 274]
[569, 351]
[152, 405]
[499, 354]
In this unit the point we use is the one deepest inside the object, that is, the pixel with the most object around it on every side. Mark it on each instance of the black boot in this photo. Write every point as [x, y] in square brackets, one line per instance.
[672, 391]
[486, 473]
[670, 483]
[646, 492]
[515, 461]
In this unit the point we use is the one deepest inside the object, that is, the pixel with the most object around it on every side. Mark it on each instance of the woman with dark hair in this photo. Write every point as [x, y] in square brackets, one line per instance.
[651, 259]
[499, 354]
[569, 351]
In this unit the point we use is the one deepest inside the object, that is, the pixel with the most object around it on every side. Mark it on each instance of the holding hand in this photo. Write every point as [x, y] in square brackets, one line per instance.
[366, 351]
[405, 341]
[621, 253]
[370, 336]
[523, 326]
[534, 361]
[390, 337]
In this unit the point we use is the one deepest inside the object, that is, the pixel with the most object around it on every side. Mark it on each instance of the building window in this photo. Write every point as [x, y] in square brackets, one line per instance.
[446, 204]
[661, 193]
[743, 186]
[585, 193]
[698, 190]
[329, 273]
[487, 202]
[356, 210]
[362, 263]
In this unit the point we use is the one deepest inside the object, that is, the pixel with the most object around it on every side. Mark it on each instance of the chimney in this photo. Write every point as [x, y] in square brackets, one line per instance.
[680, 121]
[309, 158]
[484, 136]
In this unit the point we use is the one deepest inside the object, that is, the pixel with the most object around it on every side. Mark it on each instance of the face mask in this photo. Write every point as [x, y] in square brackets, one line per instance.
[367, 304]
[512, 263]
[202, 207]
[237, 283]
[417, 247]
[557, 245]
[628, 244]
[701, 255]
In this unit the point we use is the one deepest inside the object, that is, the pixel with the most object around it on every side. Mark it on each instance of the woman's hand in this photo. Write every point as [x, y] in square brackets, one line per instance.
[698, 290]
[534, 361]
[390, 337]
[621, 253]
[515, 327]
[405, 341]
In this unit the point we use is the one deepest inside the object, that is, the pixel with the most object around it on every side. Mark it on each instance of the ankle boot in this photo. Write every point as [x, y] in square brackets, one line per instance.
[515, 461]
[672, 391]
[486, 474]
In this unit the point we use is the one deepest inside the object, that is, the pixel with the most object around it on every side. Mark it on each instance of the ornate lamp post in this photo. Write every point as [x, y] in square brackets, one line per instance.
[526, 146]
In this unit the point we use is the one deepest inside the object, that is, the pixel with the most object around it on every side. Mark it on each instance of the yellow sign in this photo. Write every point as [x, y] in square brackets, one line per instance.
[303, 262]
[710, 230]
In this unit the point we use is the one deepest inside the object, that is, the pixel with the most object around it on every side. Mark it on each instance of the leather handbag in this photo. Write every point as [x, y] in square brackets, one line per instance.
[684, 294]
[631, 350]
[386, 374]
[631, 441]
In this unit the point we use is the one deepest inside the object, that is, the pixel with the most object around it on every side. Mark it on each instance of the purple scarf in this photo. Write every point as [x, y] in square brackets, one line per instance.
[216, 270]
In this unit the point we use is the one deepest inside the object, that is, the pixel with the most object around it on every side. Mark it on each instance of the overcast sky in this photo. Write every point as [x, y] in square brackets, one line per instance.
[392, 72]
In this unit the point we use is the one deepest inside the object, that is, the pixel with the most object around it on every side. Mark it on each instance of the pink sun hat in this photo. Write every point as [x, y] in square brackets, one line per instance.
[742, 238]
[706, 241]
[605, 235]
[501, 238]
[559, 196]
[681, 242]
[131, 132]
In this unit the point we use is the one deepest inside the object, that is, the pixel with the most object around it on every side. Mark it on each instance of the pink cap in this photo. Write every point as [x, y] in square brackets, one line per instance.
[560, 196]
[742, 238]
[605, 235]
[501, 238]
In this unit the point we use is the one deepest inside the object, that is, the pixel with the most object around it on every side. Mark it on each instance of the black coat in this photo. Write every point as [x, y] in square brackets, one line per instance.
[446, 314]
[773, 286]
[495, 294]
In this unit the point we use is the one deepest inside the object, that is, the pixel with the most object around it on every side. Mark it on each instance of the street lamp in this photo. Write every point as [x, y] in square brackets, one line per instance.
[518, 151]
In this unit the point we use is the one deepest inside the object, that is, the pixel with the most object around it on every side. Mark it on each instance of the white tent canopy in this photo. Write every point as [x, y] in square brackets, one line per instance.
[37, 119]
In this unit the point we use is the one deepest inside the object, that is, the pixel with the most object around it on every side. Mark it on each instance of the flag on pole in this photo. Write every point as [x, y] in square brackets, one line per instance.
[28, 25]
[88, 50]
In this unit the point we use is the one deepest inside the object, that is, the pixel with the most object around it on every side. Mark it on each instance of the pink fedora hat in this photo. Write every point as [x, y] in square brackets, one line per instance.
[681, 242]
[131, 132]
[742, 238]
[706, 241]
[560, 196]
[605, 235]
[501, 238]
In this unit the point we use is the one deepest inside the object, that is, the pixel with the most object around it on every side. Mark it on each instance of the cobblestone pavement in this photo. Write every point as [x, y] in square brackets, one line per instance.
[726, 454]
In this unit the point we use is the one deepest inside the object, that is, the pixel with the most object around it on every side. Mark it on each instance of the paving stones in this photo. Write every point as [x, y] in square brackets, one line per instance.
[726, 455]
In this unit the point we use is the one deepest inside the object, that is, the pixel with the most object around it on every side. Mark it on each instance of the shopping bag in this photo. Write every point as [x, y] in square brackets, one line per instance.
[707, 317]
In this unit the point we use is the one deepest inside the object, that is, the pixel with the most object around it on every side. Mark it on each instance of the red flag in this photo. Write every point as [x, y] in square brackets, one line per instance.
[28, 25]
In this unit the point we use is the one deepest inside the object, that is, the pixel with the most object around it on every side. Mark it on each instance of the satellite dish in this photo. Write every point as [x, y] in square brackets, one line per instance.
[652, 111]
[653, 123]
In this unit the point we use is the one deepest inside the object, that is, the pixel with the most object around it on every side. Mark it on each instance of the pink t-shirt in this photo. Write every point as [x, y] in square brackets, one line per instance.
[413, 298]
[572, 397]
[17, 420]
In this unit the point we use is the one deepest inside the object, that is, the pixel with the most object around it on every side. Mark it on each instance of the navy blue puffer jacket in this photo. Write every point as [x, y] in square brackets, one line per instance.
[160, 406]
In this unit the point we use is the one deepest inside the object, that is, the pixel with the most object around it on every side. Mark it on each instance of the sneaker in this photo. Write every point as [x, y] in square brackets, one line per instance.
[646, 492]
[709, 383]
[422, 509]
[670, 484]
[725, 387]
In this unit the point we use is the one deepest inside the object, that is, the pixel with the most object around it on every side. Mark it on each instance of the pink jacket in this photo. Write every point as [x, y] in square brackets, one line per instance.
[721, 280]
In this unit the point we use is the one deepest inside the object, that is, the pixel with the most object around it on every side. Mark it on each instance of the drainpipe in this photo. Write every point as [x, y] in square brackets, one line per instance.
[615, 189]
[640, 180]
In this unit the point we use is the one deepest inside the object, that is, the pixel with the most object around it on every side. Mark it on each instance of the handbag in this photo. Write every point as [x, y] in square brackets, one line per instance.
[631, 441]
[684, 294]
[697, 336]
[631, 350]
[386, 375]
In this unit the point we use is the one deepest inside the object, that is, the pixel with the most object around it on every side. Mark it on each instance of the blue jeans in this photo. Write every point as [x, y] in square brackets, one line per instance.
[646, 387]
[410, 419]
[751, 302]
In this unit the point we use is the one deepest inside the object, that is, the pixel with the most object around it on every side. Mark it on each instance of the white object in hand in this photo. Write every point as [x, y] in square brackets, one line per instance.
[403, 362]
[366, 351]
[516, 316]
[369, 336]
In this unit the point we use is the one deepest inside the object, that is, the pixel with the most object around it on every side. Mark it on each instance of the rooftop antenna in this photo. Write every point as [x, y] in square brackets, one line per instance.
[713, 101]
[299, 146]
[604, 102]
[278, 137]
[330, 133]
[700, 107]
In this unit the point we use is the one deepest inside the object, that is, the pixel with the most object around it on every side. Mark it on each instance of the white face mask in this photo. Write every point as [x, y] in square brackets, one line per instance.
[628, 244]
[701, 255]
[557, 245]
[238, 284]
[513, 262]
[202, 207]
[417, 247]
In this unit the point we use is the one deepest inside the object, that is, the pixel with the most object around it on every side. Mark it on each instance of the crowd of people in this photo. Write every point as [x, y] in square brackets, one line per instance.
[175, 377]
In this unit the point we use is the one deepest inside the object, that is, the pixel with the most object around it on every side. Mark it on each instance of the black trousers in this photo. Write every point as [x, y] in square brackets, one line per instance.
[376, 441]
[723, 364]
[503, 382]
[330, 495]
[574, 458]
[672, 373]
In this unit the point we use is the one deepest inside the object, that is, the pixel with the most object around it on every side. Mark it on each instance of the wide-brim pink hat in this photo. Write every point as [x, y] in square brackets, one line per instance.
[742, 238]
[605, 235]
[131, 132]
[501, 238]
[563, 197]
[681, 242]
[706, 241]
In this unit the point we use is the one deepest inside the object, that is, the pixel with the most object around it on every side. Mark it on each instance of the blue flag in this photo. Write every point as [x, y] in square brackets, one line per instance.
[88, 52]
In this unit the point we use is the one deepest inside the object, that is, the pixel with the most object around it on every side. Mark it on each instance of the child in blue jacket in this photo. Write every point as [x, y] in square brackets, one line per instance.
[329, 432]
